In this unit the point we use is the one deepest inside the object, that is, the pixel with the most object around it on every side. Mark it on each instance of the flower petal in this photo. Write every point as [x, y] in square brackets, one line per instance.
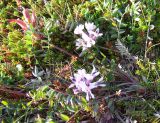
[87, 96]
[91, 94]
[97, 83]
[71, 86]
[93, 70]
[79, 29]
[76, 91]
[86, 37]
[90, 26]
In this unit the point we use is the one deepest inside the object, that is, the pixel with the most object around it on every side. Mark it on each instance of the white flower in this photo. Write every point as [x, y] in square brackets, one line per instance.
[90, 26]
[88, 36]
[79, 29]
[81, 43]
[19, 67]
[83, 82]
[94, 34]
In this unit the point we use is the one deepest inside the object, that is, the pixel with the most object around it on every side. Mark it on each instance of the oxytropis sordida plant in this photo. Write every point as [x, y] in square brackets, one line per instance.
[83, 81]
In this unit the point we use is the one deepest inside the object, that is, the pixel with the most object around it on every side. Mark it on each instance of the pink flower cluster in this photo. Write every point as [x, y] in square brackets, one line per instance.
[89, 34]
[83, 82]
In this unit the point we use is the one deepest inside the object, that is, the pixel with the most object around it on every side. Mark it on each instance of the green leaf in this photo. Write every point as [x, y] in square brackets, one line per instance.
[4, 103]
[64, 117]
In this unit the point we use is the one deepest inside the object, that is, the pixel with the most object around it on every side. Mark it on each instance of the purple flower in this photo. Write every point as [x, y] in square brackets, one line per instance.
[83, 82]
[88, 36]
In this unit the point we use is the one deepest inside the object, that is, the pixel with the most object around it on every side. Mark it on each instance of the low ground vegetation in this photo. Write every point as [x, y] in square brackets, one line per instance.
[88, 61]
